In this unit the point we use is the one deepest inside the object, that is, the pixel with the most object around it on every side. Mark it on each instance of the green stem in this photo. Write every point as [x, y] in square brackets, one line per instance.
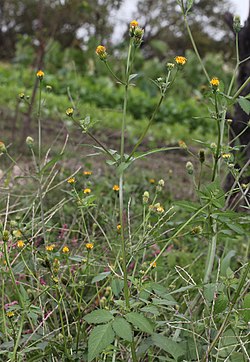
[241, 89]
[121, 202]
[217, 155]
[113, 74]
[195, 48]
[101, 145]
[146, 129]
[237, 64]
[39, 123]
[211, 253]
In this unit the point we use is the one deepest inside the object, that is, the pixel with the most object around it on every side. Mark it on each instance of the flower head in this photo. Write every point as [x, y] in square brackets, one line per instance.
[71, 180]
[153, 264]
[21, 95]
[182, 144]
[65, 250]
[29, 141]
[20, 244]
[87, 173]
[50, 247]
[151, 180]
[89, 246]
[101, 52]
[170, 66]
[10, 314]
[40, 74]
[118, 227]
[87, 191]
[215, 83]
[160, 209]
[116, 188]
[180, 60]
[69, 112]
[134, 23]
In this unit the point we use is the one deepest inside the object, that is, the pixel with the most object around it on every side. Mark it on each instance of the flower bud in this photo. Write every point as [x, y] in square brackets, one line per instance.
[170, 66]
[145, 197]
[229, 121]
[182, 144]
[40, 75]
[2, 148]
[190, 168]
[196, 230]
[138, 36]
[161, 183]
[202, 155]
[6, 235]
[30, 142]
[21, 95]
[101, 52]
[214, 82]
[236, 24]
[69, 112]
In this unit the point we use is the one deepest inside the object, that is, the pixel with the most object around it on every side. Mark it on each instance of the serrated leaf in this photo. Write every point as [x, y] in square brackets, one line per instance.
[138, 320]
[246, 308]
[168, 345]
[99, 339]
[122, 329]
[98, 316]
[244, 104]
[100, 277]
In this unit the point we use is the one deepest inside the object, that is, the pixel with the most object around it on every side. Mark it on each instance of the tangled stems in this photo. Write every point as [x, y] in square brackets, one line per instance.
[232, 304]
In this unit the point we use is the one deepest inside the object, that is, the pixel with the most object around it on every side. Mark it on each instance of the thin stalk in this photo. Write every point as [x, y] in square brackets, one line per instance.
[236, 66]
[121, 202]
[195, 48]
[217, 155]
[243, 86]
[113, 74]
[39, 124]
[146, 129]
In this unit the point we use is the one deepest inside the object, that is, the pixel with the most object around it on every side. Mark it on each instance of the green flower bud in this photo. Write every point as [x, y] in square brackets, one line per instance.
[190, 168]
[202, 156]
[236, 24]
[3, 149]
[30, 142]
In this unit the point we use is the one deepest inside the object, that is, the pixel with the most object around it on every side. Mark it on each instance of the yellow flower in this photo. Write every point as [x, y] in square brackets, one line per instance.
[116, 188]
[69, 112]
[226, 155]
[71, 180]
[134, 23]
[151, 180]
[160, 209]
[87, 191]
[101, 52]
[215, 82]
[65, 250]
[50, 247]
[153, 264]
[21, 95]
[10, 314]
[180, 60]
[20, 244]
[87, 173]
[40, 74]
[118, 227]
[89, 246]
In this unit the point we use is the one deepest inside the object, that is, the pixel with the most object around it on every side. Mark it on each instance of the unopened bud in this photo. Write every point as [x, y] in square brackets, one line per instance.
[145, 197]
[170, 66]
[30, 142]
[2, 148]
[236, 24]
[190, 168]
[202, 156]
[229, 121]
[6, 235]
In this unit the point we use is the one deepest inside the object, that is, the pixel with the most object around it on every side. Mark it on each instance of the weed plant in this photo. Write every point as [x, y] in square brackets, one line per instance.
[97, 268]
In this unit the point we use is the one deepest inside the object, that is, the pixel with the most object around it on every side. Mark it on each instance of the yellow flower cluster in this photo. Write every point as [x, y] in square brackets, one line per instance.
[71, 180]
[50, 247]
[40, 74]
[180, 60]
[65, 250]
[20, 244]
[89, 246]
[116, 188]
[215, 82]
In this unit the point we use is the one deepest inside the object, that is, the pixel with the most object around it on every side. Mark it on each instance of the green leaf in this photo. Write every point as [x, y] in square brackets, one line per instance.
[122, 329]
[225, 264]
[220, 303]
[100, 277]
[168, 345]
[131, 77]
[98, 316]
[246, 308]
[244, 104]
[50, 163]
[151, 309]
[139, 321]
[100, 338]
[116, 286]
[144, 154]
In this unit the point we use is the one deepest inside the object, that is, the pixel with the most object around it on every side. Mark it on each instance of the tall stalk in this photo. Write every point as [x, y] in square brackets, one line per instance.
[121, 192]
